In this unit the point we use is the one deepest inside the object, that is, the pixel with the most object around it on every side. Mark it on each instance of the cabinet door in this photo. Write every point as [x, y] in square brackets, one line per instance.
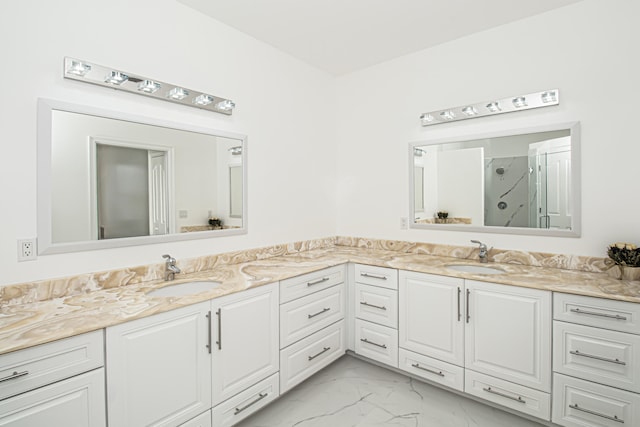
[431, 319]
[159, 368]
[245, 348]
[75, 402]
[508, 333]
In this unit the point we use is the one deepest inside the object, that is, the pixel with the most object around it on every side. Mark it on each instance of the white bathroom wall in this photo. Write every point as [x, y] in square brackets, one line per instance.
[588, 50]
[282, 106]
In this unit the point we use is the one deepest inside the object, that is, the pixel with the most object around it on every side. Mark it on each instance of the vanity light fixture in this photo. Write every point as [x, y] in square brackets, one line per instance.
[83, 71]
[178, 93]
[78, 68]
[529, 101]
[236, 151]
[148, 86]
[203, 99]
[116, 78]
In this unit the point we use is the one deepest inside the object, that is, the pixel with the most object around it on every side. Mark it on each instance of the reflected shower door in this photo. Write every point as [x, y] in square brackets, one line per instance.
[122, 191]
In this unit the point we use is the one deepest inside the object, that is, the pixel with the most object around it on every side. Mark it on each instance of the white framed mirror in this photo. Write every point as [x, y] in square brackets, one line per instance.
[513, 181]
[108, 179]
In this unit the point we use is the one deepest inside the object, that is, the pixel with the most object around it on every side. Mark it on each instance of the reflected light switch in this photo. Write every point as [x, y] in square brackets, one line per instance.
[183, 214]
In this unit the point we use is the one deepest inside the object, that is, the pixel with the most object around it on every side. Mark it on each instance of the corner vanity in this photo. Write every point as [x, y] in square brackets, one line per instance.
[557, 346]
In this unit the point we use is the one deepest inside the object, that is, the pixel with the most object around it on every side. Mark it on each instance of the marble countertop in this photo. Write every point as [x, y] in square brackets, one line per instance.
[26, 325]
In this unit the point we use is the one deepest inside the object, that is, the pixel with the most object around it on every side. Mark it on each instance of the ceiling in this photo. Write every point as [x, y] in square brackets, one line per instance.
[342, 36]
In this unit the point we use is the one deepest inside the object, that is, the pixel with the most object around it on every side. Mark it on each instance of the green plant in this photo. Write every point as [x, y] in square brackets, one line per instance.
[624, 254]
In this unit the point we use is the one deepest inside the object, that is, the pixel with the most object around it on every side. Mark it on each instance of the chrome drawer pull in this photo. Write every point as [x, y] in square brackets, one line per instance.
[614, 418]
[209, 331]
[593, 313]
[373, 343]
[374, 276]
[260, 397]
[517, 399]
[379, 307]
[324, 310]
[15, 375]
[317, 282]
[417, 366]
[591, 356]
[219, 342]
[324, 350]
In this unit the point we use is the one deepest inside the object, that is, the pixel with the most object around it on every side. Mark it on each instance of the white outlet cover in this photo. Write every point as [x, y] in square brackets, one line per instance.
[27, 250]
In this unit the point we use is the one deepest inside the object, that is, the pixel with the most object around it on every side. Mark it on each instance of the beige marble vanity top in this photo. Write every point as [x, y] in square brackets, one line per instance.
[27, 319]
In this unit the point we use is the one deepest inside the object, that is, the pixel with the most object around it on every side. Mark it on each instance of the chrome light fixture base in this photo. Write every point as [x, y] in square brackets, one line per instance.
[87, 72]
[546, 98]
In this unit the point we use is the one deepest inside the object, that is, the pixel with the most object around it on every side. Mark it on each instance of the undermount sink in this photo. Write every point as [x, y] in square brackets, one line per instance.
[184, 289]
[475, 269]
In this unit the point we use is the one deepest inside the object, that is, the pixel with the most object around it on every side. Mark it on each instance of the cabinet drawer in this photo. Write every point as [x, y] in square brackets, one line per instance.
[377, 342]
[302, 359]
[431, 369]
[599, 355]
[309, 314]
[33, 367]
[523, 399]
[376, 276]
[77, 401]
[378, 305]
[245, 403]
[602, 313]
[306, 284]
[578, 403]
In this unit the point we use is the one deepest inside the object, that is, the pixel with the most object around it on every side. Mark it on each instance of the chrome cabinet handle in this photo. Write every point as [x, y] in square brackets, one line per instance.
[373, 343]
[324, 310]
[593, 313]
[324, 350]
[219, 342]
[317, 282]
[517, 399]
[468, 316]
[13, 376]
[417, 366]
[379, 307]
[459, 313]
[591, 356]
[374, 276]
[209, 331]
[608, 417]
[260, 397]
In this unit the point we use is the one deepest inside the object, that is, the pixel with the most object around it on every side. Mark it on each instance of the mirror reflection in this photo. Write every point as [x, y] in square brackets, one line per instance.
[111, 182]
[516, 182]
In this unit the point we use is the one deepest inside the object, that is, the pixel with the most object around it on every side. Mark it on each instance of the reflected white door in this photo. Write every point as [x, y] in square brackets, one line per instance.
[558, 189]
[158, 203]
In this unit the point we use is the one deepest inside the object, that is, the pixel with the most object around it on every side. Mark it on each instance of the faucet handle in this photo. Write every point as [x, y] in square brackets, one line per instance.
[478, 242]
[169, 258]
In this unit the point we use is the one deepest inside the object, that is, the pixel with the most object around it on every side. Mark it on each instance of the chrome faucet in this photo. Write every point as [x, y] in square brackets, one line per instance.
[482, 255]
[172, 268]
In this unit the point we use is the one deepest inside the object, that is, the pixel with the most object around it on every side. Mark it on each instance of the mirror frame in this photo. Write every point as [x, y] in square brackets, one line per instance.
[44, 173]
[573, 127]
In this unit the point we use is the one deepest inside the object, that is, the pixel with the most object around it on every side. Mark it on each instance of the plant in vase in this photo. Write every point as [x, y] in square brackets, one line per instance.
[215, 222]
[627, 257]
[442, 217]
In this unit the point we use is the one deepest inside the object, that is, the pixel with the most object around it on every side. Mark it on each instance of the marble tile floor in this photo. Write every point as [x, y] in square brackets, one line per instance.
[351, 392]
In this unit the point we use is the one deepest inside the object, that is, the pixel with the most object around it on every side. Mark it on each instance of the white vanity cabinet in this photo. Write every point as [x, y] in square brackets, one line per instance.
[375, 305]
[59, 383]
[596, 362]
[431, 327]
[159, 368]
[490, 340]
[245, 340]
[312, 325]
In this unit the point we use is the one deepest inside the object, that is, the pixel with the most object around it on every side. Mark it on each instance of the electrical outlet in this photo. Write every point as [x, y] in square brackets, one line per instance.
[27, 250]
[404, 223]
